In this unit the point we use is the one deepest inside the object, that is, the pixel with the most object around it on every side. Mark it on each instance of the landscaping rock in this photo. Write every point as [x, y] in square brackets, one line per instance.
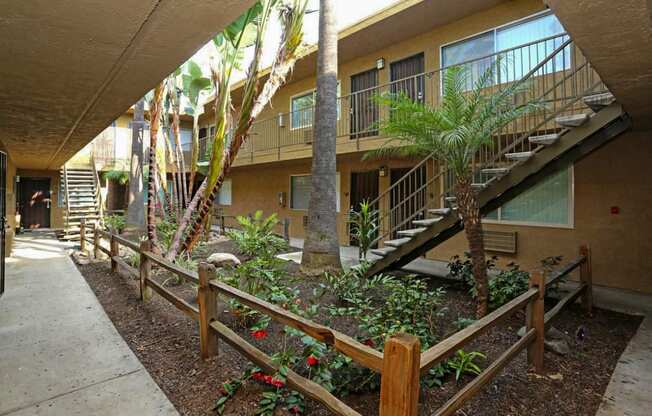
[556, 341]
[223, 260]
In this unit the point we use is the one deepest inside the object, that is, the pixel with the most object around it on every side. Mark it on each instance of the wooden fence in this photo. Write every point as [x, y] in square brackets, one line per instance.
[400, 365]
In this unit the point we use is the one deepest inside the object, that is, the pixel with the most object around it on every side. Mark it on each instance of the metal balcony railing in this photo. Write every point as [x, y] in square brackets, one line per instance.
[360, 114]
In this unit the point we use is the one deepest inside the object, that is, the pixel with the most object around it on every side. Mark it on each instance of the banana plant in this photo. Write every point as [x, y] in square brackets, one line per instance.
[194, 85]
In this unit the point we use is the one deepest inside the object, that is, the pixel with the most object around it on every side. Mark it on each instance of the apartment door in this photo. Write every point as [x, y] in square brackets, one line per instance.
[407, 77]
[407, 198]
[34, 203]
[364, 110]
[364, 187]
[3, 215]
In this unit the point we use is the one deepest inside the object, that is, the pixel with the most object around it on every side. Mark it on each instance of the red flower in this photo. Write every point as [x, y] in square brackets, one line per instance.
[369, 343]
[267, 379]
[312, 361]
[277, 383]
[295, 410]
[258, 376]
[260, 334]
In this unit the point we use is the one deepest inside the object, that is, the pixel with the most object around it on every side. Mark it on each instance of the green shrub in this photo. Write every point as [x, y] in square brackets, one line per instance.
[464, 363]
[119, 176]
[115, 223]
[256, 237]
[165, 230]
[507, 285]
[364, 228]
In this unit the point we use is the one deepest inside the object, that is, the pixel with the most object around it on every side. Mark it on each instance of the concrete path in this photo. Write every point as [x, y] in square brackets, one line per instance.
[629, 392]
[59, 352]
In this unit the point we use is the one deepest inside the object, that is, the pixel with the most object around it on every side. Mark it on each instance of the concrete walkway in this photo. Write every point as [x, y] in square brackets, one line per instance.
[59, 352]
[629, 392]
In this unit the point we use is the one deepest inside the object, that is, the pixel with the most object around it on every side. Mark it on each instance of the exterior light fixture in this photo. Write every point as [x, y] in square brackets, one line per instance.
[281, 120]
[382, 171]
[380, 63]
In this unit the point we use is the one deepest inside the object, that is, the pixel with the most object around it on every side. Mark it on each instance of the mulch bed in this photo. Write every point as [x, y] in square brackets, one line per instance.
[167, 343]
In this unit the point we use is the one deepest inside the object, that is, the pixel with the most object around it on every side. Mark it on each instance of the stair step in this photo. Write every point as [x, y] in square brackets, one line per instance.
[519, 156]
[479, 186]
[412, 232]
[439, 211]
[597, 102]
[427, 223]
[398, 242]
[382, 252]
[545, 139]
[574, 120]
[495, 171]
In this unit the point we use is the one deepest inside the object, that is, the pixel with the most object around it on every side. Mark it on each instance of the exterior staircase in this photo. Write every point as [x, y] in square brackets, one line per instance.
[580, 115]
[82, 196]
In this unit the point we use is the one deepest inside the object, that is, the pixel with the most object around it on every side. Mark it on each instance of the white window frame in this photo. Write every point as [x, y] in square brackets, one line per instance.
[230, 181]
[338, 191]
[314, 93]
[571, 210]
[495, 30]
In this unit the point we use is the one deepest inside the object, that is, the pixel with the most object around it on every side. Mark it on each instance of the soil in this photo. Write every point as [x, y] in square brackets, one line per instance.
[166, 342]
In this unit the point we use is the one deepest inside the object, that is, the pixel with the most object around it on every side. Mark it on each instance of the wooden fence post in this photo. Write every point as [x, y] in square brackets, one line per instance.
[536, 319]
[96, 242]
[145, 271]
[114, 249]
[286, 229]
[208, 312]
[399, 387]
[82, 235]
[586, 277]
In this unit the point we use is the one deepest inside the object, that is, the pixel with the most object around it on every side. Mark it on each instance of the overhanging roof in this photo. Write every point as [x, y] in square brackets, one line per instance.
[69, 68]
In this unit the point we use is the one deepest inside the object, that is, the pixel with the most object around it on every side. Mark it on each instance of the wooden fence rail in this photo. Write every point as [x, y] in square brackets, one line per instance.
[401, 364]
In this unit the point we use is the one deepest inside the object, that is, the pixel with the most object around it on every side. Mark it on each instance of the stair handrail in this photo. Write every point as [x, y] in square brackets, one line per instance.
[444, 170]
[67, 196]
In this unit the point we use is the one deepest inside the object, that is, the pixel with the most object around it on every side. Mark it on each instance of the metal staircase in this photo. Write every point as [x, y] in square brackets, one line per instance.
[579, 116]
[82, 199]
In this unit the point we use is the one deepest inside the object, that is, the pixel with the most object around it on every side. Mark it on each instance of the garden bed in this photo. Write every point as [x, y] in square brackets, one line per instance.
[166, 342]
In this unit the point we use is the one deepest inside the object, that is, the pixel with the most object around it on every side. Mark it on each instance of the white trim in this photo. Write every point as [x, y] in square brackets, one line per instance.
[314, 91]
[571, 210]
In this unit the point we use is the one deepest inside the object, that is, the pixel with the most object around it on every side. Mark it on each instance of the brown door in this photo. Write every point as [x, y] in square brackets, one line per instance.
[407, 77]
[364, 187]
[364, 109]
[408, 198]
[34, 203]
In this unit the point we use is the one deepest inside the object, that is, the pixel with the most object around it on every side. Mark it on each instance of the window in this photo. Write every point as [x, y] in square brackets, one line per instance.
[302, 108]
[300, 186]
[224, 196]
[548, 203]
[516, 63]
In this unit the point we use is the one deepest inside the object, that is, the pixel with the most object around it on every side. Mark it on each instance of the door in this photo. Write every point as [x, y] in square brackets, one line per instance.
[408, 198]
[407, 77]
[3, 215]
[34, 205]
[364, 110]
[364, 187]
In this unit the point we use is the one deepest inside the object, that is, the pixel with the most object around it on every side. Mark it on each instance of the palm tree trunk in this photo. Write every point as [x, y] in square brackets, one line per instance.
[194, 159]
[469, 210]
[136, 203]
[155, 122]
[321, 250]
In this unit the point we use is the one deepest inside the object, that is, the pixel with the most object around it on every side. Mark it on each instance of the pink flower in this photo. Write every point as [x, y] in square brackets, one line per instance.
[260, 334]
[312, 361]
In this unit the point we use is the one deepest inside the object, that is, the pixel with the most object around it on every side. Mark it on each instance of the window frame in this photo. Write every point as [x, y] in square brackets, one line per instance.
[314, 94]
[571, 210]
[230, 193]
[493, 29]
[338, 191]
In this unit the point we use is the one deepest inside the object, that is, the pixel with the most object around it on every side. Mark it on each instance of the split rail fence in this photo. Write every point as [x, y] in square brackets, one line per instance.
[400, 365]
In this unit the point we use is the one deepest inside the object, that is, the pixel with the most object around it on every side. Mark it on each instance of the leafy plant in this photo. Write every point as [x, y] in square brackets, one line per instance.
[363, 227]
[115, 223]
[165, 230]
[462, 270]
[462, 322]
[508, 285]
[119, 176]
[464, 363]
[257, 237]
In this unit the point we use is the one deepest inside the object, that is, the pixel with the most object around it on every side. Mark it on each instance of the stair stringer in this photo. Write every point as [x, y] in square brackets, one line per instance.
[573, 146]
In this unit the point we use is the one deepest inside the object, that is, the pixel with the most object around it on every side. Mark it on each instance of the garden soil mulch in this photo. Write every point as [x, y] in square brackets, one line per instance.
[167, 343]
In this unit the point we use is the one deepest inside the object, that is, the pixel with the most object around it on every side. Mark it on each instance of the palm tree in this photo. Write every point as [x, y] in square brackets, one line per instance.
[136, 207]
[155, 108]
[321, 250]
[453, 133]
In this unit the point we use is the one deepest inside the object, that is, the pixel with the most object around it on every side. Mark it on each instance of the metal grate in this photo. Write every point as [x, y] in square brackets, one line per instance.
[500, 241]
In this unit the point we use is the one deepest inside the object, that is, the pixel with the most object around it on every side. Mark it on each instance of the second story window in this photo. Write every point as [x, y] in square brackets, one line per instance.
[302, 108]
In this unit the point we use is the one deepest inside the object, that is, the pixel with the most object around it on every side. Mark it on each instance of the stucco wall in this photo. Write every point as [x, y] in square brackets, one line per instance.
[56, 212]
